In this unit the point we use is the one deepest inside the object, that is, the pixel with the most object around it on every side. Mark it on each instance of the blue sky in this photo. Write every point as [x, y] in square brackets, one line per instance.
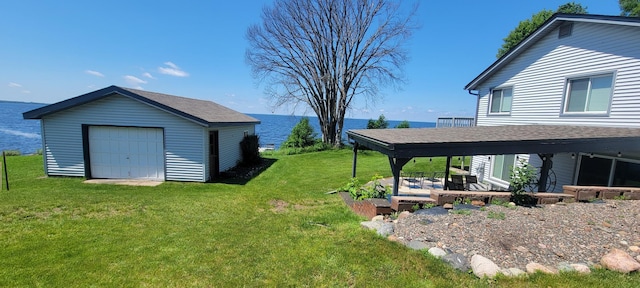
[54, 50]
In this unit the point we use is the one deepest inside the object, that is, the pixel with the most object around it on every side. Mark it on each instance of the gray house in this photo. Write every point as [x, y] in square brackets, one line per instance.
[578, 70]
[124, 133]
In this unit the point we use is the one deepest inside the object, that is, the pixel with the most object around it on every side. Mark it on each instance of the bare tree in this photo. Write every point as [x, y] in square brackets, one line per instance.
[325, 53]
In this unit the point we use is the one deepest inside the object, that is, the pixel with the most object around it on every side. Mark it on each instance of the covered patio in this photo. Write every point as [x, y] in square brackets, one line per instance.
[401, 145]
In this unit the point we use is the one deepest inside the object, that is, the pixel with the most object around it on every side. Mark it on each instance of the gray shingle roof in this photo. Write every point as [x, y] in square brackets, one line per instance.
[487, 140]
[204, 112]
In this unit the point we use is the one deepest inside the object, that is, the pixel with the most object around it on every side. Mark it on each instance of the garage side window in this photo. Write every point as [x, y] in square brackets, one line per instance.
[500, 101]
[588, 94]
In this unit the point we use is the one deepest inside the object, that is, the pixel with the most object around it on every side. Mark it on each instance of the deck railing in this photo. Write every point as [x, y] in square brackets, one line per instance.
[455, 122]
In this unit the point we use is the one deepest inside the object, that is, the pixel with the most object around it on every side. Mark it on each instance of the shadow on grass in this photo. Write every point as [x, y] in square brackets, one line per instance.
[242, 174]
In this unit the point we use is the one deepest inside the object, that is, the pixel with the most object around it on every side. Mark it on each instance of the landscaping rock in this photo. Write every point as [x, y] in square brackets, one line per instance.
[447, 206]
[393, 238]
[482, 266]
[477, 203]
[404, 214]
[457, 261]
[618, 260]
[386, 229]
[634, 249]
[532, 267]
[437, 252]
[382, 228]
[581, 268]
[378, 218]
[512, 272]
[565, 267]
[417, 245]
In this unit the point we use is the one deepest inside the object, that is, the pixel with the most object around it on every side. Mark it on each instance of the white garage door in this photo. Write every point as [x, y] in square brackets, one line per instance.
[126, 152]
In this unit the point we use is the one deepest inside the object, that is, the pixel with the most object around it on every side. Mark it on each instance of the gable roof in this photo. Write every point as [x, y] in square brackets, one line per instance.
[544, 29]
[205, 113]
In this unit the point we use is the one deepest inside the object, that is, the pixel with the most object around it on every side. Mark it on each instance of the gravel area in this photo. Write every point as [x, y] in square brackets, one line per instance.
[548, 234]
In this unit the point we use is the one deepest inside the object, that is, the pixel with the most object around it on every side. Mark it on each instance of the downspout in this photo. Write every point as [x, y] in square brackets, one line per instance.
[477, 105]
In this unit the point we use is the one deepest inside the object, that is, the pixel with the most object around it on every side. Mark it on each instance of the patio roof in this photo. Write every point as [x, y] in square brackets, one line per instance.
[400, 145]
[491, 140]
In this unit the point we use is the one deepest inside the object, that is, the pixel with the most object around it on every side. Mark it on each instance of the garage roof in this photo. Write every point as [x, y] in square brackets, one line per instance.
[203, 112]
[492, 140]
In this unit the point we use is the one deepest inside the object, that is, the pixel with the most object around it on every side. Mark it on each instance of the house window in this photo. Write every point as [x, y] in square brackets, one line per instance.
[608, 171]
[502, 166]
[590, 94]
[501, 101]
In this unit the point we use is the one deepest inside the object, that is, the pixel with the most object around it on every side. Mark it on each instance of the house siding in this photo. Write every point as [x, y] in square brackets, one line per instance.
[62, 136]
[538, 77]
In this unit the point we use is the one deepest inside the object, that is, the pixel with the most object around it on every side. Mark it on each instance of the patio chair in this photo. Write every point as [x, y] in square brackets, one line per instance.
[415, 179]
[472, 183]
[456, 183]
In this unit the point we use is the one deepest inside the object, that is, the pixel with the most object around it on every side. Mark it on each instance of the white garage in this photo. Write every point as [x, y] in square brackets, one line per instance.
[123, 133]
[126, 152]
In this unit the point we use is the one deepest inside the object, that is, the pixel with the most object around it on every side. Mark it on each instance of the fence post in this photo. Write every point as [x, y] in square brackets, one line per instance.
[6, 175]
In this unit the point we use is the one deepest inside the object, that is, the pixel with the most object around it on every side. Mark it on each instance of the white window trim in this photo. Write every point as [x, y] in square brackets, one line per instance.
[565, 94]
[491, 100]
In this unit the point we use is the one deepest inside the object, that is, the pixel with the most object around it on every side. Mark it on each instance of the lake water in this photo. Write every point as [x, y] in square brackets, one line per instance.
[24, 135]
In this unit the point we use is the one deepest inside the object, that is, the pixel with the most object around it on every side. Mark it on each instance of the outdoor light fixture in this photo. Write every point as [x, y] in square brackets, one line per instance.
[619, 154]
[573, 155]
[591, 155]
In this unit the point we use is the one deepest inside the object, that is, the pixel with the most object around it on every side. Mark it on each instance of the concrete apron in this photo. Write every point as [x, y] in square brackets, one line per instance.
[129, 182]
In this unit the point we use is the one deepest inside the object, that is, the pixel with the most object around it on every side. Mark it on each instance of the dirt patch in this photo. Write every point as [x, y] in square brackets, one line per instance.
[279, 206]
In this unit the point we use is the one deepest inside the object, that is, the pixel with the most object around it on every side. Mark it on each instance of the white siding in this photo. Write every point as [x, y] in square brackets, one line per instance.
[538, 78]
[62, 137]
[230, 151]
[539, 75]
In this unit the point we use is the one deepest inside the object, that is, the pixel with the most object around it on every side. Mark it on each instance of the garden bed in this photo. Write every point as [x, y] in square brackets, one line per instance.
[368, 207]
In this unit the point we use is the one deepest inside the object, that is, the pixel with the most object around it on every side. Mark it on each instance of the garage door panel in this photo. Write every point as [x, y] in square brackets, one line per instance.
[126, 152]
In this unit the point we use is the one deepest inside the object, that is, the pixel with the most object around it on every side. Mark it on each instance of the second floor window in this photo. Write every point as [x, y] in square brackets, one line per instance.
[588, 94]
[500, 102]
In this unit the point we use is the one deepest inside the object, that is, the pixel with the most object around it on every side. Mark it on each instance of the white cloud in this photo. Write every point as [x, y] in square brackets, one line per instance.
[13, 84]
[94, 73]
[25, 91]
[173, 70]
[134, 81]
[148, 75]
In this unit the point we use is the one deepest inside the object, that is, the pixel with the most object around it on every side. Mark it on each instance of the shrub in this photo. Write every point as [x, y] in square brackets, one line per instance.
[403, 124]
[373, 190]
[521, 177]
[250, 153]
[12, 152]
[381, 123]
[302, 135]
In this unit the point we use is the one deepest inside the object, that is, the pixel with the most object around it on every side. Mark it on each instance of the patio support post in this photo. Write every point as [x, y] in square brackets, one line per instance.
[446, 173]
[396, 166]
[355, 159]
[547, 163]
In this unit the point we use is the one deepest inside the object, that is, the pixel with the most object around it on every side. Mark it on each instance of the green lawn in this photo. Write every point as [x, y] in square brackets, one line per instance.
[59, 232]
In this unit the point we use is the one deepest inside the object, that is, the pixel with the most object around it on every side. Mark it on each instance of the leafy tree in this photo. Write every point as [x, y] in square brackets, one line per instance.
[302, 135]
[381, 123]
[526, 27]
[403, 124]
[327, 53]
[630, 8]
